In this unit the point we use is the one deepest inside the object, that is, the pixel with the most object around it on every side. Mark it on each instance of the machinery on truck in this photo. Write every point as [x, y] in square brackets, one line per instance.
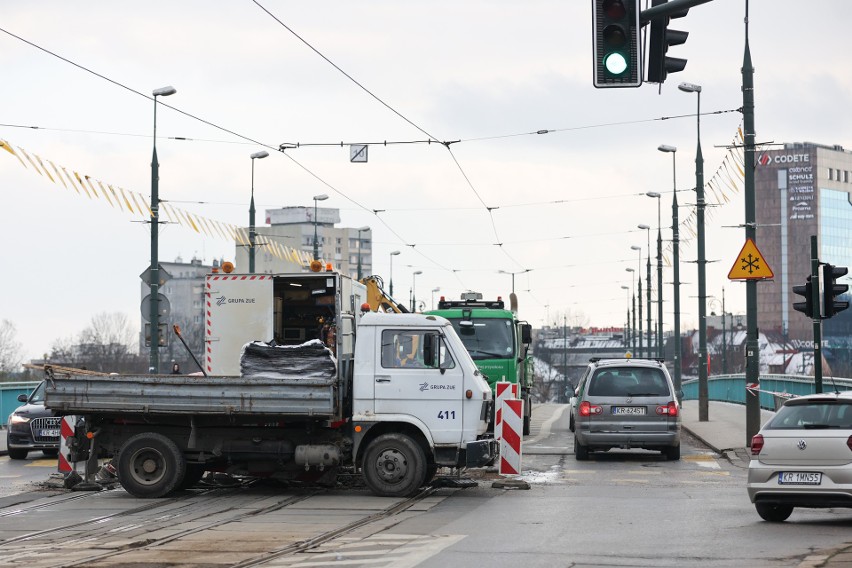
[296, 380]
[496, 339]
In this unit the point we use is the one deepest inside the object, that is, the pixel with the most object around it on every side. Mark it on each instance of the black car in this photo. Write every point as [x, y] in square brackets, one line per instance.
[33, 427]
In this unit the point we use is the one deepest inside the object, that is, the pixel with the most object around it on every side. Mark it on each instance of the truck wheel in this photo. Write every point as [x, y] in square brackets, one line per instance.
[527, 425]
[194, 473]
[150, 465]
[394, 466]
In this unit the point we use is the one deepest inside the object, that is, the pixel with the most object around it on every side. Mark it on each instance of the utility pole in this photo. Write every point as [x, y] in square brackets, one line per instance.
[752, 374]
[564, 392]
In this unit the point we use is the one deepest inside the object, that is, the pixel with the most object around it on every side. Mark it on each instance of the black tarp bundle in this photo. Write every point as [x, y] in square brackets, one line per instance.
[310, 360]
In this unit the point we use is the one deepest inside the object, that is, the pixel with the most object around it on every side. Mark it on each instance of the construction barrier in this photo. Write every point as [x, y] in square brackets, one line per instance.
[511, 436]
[503, 390]
[66, 431]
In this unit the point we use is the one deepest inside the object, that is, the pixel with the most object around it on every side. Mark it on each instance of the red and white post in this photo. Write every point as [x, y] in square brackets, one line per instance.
[511, 436]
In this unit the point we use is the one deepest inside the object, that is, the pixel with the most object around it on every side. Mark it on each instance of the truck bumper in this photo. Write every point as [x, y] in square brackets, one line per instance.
[481, 453]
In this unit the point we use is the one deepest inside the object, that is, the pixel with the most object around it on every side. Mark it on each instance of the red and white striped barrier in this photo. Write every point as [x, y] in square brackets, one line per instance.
[511, 436]
[66, 431]
[504, 390]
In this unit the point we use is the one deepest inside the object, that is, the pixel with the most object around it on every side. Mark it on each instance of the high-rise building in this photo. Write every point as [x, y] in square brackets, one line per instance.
[802, 189]
[184, 292]
[295, 227]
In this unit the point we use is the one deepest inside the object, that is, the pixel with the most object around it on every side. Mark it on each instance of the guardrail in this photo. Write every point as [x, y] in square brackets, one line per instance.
[9, 397]
[732, 388]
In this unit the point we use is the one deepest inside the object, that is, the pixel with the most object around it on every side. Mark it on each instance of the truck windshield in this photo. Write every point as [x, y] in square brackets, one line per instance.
[486, 338]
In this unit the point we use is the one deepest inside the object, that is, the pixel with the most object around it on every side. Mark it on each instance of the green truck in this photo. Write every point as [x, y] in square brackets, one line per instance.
[498, 342]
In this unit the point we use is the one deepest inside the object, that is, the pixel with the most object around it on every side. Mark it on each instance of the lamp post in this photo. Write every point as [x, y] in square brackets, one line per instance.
[433, 296]
[675, 267]
[703, 392]
[154, 269]
[413, 294]
[360, 230]
[639, 273]
[256, 156]
[648, 289]
[513, 276]
[320, 197]
[632, 323]
[657, 196]
[627, 325]
[392, 254]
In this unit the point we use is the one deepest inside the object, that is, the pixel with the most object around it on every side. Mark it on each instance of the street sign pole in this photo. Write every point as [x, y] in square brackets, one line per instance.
[752, 351]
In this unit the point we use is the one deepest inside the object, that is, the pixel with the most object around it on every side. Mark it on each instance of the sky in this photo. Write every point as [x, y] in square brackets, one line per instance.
[559, 209]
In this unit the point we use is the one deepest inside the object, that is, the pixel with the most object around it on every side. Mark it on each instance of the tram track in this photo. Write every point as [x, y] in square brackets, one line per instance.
[175, 530]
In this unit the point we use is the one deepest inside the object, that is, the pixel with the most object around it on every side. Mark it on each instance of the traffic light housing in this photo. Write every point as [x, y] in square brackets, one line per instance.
[831, 290]
[617, 61]
[806, 307]
[659, 65]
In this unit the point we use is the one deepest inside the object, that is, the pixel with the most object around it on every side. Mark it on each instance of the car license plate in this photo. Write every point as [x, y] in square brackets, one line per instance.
[799, 478]
[49, 434]
[628, 410]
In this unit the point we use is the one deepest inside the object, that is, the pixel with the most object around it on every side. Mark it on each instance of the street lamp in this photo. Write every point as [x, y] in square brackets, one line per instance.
[438, 289]
[320, 197]
[632, 323]
[413, 281]
[639, 273]
[676, 269]
[360, 230]
[703, 392]
[256, 156]
[627, 326]
[657, 196]
[648, 289]
[392, 254]
[154, 269]
[513, 276]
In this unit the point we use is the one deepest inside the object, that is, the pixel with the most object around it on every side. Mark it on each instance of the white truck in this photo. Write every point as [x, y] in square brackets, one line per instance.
[325, 390]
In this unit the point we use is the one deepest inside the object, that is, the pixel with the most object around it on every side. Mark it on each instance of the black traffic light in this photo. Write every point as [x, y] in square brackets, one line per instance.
[616, 43]
[831, 291]
[659, 66]
[806, 307]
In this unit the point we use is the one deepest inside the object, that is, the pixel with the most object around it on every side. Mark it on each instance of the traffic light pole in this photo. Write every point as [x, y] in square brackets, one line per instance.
[667, 9]
[817, 317]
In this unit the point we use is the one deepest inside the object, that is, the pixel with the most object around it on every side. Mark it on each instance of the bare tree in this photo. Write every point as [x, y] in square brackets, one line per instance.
[11, 351]
[106, 345]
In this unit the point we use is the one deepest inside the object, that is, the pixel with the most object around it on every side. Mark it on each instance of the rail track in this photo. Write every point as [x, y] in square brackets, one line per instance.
[245, 525]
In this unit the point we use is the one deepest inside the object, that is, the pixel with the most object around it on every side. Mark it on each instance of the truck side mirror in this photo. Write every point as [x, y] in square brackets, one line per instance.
[526, 333]
[429, 349]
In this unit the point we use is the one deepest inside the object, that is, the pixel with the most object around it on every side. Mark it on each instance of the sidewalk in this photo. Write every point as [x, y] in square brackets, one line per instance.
[725, 430]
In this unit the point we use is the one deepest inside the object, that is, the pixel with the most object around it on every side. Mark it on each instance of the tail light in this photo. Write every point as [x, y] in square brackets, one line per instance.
[668, 410]
[757, 444]
[587, 408]
[849, 442]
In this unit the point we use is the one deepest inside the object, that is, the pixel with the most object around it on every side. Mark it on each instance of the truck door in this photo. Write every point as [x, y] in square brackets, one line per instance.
[239, 310]
[418, 376]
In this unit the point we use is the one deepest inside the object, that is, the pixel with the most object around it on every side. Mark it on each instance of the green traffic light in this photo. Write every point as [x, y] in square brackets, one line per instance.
[615, 63]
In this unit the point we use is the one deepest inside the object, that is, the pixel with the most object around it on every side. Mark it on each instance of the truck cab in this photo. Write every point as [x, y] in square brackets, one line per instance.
[497, 342]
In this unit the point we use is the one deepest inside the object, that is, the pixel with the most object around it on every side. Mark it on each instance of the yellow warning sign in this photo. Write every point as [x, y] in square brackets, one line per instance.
[750, 264]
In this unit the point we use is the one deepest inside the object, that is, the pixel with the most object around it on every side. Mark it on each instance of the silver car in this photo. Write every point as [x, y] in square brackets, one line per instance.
[626, 403]
[802, 457]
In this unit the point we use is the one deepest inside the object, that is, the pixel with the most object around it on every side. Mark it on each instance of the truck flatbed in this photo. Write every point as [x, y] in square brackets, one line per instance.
[70, 393]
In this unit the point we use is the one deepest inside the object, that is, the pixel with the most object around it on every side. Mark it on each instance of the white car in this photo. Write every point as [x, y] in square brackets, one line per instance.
[802, 457]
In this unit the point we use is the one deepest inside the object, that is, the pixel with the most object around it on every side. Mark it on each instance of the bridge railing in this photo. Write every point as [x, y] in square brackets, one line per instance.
[774, 389]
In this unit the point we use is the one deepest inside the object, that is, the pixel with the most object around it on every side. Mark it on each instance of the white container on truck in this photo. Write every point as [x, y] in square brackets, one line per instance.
[356, 405]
